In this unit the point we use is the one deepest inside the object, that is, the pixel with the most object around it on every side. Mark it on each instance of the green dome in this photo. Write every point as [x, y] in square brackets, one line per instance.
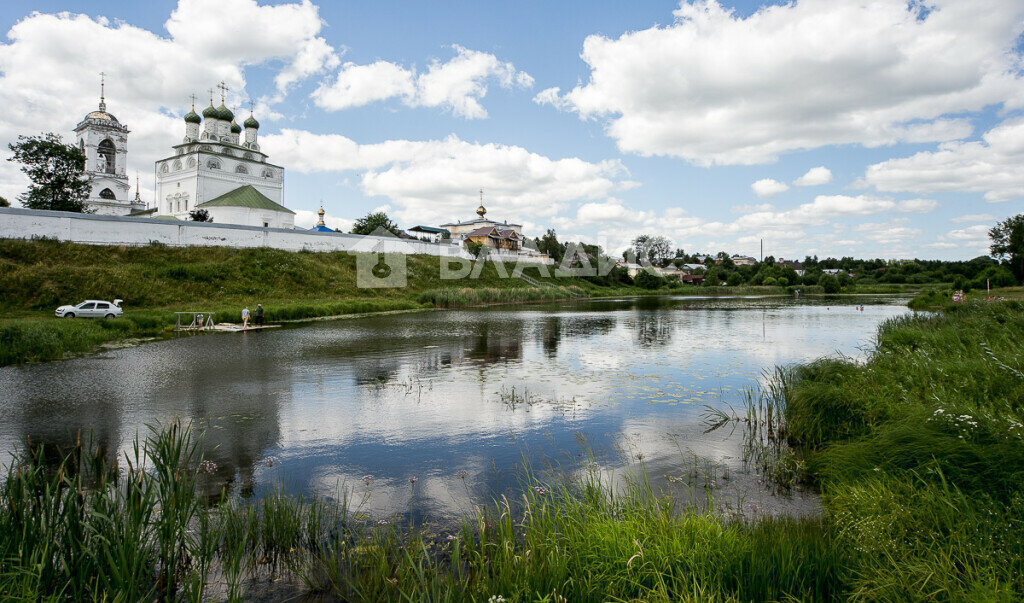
[235, 128]
[192, 117]
[225, 113]
[251, 122]
[210, 112]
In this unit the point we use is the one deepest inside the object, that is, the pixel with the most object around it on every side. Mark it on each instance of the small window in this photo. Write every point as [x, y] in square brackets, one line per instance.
[107, 194]
[247, 156]
[213, 164]
[266, 225]
[241, 169]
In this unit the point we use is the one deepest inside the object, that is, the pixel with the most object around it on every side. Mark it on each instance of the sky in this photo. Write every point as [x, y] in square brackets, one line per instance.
[867, 128]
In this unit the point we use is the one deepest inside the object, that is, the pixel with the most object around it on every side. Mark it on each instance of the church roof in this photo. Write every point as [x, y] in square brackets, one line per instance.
[481, 221]
[210, 112]
[192, 117]
[319, 228]
[245, 196]
[225, 113]
[102, 115]
[251, 122]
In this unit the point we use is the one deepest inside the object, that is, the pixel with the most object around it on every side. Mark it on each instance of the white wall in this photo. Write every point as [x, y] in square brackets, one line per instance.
[18, 223]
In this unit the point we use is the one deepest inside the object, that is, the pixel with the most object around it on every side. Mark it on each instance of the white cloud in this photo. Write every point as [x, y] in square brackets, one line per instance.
[916, 206]
[436, 181]
[815, 176]
[358, 85]
[717, 88]
[892, 234]
[972, 234]
[49, 69]
[993, 165]
[767, 188]
[456, 85]
[973, 218]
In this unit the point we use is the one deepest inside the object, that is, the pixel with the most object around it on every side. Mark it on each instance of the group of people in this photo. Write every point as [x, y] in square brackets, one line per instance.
[257, 316]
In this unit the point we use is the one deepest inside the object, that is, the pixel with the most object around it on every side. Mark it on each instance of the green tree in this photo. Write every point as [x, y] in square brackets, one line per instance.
[549, 244]
[735, 279]
[654, 249]
[369, 223]
[1008, 242]
[829, 283]
[55, 170]
[646, 280]
[474, 247]
[4, 202]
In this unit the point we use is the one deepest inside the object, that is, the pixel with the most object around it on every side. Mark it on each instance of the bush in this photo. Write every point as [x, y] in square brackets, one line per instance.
[771, 281]
[646, 280]
[735, 279]
[829, 283]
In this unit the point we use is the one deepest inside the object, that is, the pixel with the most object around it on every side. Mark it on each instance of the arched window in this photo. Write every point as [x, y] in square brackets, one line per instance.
[107, 194]
[177, 165]
[164, 169]
[241, 169]
[191, 162]
[247, 156]
[108, 156]
[213, 164]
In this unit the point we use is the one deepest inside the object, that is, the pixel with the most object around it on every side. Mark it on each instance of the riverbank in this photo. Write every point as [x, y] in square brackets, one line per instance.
[916, 451]
[36, 276]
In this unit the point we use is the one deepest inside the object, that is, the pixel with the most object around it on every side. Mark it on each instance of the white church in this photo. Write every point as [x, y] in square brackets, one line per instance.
[217, 167]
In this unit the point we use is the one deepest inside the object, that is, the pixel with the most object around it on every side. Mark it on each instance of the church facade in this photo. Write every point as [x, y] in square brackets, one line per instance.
[104, 141]
[220, 168]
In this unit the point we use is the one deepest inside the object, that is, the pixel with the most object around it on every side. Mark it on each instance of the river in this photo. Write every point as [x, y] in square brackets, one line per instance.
[423, 415]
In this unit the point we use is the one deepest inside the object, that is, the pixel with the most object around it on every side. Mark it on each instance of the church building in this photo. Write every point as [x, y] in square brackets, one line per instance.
[104, 140]
[219, 167]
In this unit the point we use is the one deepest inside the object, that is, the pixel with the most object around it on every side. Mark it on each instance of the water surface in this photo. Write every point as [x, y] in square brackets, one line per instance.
[457, 400]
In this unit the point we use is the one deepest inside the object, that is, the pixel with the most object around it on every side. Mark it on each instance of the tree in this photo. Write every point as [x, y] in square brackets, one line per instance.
[55, 170]
[654, 249]
[369, 224]
[4, 202]
[474, 247]
[646, 280]
[1008, 242]
[549, 244]
[829, 283]
[735, 279]
[199, 215]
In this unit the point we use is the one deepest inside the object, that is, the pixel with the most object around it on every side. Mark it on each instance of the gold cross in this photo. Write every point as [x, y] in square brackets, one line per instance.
[223, 91]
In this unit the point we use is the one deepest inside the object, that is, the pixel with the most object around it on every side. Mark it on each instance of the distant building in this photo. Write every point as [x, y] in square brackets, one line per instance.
[429, 232]
[461, 229]
[743, 260]
[502, 240]
[320, 226]
[796, 266]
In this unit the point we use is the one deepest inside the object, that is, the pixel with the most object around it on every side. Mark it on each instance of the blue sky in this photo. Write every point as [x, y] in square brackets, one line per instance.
[663, 127]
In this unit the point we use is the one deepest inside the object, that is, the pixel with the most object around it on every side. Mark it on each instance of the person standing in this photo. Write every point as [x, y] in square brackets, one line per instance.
[245, 317]
[258, 316]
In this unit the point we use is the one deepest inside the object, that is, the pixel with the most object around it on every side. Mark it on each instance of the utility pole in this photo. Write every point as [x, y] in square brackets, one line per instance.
[762, 251]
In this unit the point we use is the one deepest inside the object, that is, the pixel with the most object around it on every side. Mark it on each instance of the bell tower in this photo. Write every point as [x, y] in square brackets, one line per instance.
[104, 140]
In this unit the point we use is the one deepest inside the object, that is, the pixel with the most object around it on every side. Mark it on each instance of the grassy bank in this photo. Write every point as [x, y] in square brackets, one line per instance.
[919, 454]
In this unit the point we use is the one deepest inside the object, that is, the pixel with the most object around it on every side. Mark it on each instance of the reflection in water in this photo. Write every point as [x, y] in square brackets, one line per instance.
[421, 395]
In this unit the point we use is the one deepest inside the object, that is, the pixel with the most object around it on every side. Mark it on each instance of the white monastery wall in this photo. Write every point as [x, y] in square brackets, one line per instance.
[19, 223]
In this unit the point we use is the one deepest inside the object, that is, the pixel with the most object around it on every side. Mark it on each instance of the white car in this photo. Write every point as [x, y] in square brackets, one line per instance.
[91, 308]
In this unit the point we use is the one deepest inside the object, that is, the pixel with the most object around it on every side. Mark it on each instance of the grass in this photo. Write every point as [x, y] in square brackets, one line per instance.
[74, 525]
[919, 453]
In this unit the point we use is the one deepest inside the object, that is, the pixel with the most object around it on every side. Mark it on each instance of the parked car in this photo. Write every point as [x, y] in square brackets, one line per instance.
[91, 308]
